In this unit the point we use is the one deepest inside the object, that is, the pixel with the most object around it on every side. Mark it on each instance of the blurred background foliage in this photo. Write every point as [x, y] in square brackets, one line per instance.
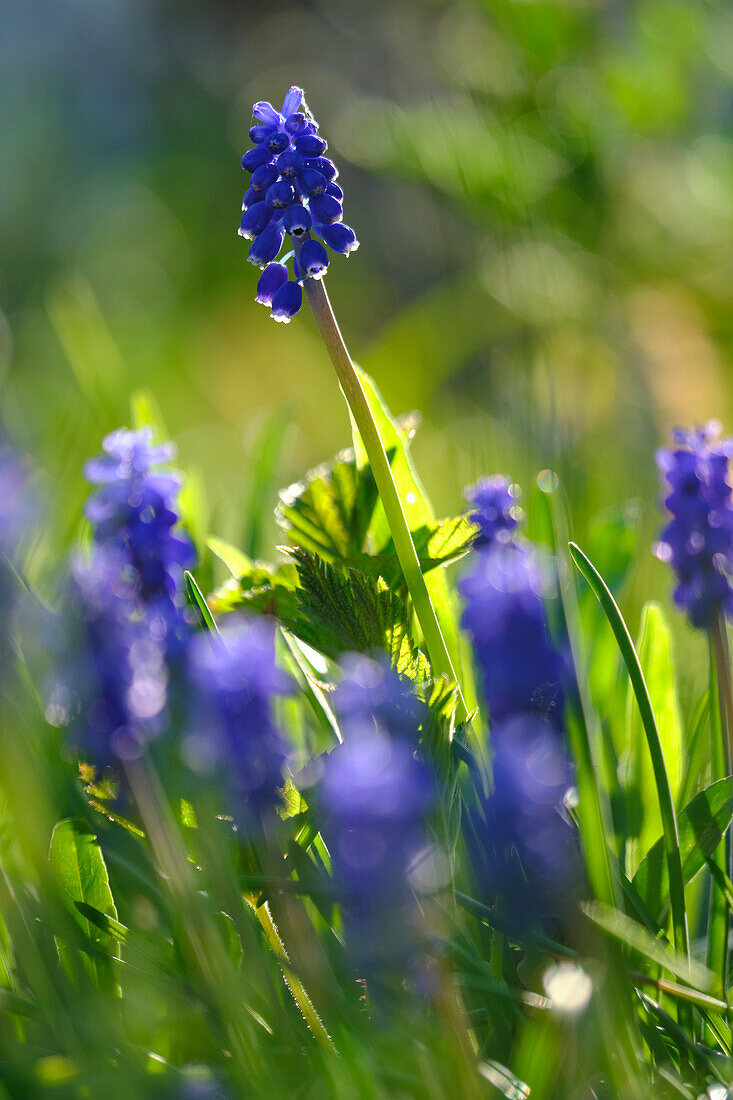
[544, 196]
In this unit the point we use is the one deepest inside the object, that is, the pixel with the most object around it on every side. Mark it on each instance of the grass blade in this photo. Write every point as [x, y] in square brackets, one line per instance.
[196, 599]
[661, 778]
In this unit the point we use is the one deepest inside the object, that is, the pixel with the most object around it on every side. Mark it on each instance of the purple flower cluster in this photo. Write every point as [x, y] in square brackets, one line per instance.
[122, 680]
[376, 793]
[504, 612]
[521, 842]
[134, 513]
[698, 540]
[233, 735]
[127, 595]
[292, 190]
[495, 508]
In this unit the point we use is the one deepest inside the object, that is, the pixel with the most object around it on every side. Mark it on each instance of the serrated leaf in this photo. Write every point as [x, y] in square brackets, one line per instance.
[702, 824]
[341, 611]
[437, 544]
[329, 512]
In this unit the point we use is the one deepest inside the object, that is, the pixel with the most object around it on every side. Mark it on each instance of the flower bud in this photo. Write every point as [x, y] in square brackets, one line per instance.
[269, 282]
[266, 246]
[286, 302]
[313, 260]
[325, 209]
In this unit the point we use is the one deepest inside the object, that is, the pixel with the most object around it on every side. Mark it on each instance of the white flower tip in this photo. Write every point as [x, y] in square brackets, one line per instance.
[283, 318]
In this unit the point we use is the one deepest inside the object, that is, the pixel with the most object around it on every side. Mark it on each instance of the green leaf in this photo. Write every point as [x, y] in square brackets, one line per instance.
[418, 511]
[196, 599]
[634, 936]
[78, 867]
[344, 610]
[329, 512]
[654, 649]
[667, 811]
[437, 544]
[238, 564]
[702, 824]
[264, 589]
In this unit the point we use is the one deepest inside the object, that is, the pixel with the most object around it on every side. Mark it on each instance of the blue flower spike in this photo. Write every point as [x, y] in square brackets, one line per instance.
[495, 508]
[291, 193]
[698, 540]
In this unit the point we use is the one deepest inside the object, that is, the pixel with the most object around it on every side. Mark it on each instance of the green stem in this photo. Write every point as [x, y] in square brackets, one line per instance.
[399, 528]
[294, 984]
[721, 728]
[721, 657]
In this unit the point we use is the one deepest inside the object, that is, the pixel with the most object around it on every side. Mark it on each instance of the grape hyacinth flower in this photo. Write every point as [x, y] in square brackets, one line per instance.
[374, 698]
[120, 673]
[503, 611]
[698, 540]
[127, 600]
[521, 841]
[292, 193]
[233, 736]
[495, 508]
[376, 794]
[134, 510]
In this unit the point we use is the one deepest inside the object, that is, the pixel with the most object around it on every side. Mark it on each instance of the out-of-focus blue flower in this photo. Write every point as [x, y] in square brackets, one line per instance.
[521, 841]
[495, 508]
[233, 735]
[18, 518]
[118, 669]
[503, 610]
[376, 794]
[373, 698]
[292, 191]
[134, 510]
[126, 601]
[18, 509]
[698, 540]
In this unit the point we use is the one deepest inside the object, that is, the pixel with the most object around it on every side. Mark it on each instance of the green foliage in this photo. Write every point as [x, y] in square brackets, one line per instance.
[342, 611]
[702, 824]
[330, 512]
[643, 820]
[80, 873]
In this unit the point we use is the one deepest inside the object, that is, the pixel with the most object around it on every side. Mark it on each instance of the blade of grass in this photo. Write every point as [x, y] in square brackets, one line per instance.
[196, 599]
[664, 792]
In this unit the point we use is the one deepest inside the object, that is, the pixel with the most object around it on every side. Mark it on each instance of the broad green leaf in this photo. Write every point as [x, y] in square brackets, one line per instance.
[654, 649]
[344, 610]
[329, 512]
[702, 824]
[78, 867]
[636, 937]
[418, 511]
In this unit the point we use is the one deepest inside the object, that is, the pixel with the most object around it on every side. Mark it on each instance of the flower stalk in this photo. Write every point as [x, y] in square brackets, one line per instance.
[409, 562]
